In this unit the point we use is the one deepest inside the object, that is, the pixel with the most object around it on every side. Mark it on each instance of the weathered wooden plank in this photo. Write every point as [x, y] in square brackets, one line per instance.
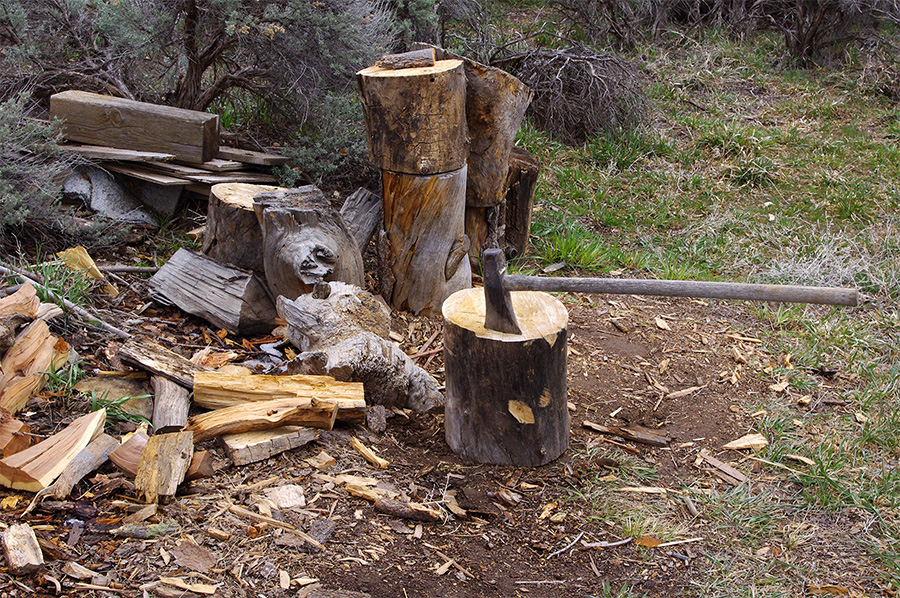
[220, 165]
[251, 157]
[104, 120]
[100, 152]
[144, 174]
[211, 178]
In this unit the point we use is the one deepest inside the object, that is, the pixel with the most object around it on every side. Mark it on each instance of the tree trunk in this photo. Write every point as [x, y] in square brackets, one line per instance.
[521, 183]
[305, 241]
[233, 235]
[426, 246]
[485, 229]
[506, 393]
[416, 118]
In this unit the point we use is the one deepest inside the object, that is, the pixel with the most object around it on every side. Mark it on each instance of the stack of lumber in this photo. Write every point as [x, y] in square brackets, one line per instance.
[159, 144]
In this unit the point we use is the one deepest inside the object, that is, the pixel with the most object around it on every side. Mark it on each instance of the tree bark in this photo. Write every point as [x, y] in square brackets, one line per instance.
[485, 229]
[416, 118]
[521, 183]
[171, 403]
[506, 393]
[424, 222]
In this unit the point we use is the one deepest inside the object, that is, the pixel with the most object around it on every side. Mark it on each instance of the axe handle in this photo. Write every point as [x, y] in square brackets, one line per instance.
[684, 288]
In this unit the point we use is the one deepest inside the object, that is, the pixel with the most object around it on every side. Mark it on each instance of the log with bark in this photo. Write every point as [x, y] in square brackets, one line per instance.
[158, 360]
[424, 219]
[407, 60]
[342, 332]
[232, 235]
[171, 403]
[305, 241]
[215, 390]
[262, 415]
[506, 393]
[226, 297]
[415, 118]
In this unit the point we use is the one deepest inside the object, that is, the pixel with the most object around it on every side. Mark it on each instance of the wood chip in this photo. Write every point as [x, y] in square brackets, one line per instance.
[684, 392]
[368, 454]
[748, 441]
[197, 588]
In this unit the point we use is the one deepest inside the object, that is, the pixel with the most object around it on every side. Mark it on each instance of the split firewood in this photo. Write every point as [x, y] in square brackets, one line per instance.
[35, 468]
[415, 58]
[305, 241]
[128, 455]
[344, 335]
[214, 390]
[163, 465]
[171, 403]
[233, 235]
[89, 459]
[159, 360]
[632, 433]
[368, 454]
[362, 212]
[250, 447]
[262, 415]
[202, 465]
[77, 258]
[9, 328]
[22, 551]
[521, 182]
[25, 365]
[23, 302]
[14, 435]
[408, 510]
[225, 296]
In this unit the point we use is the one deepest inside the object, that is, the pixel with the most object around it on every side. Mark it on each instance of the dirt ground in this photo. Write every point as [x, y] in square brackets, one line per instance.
[511, 532]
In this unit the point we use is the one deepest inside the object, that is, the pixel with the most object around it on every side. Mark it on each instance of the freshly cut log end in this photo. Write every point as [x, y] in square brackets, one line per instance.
[506, 393]
[416, 118]
[232, 234]
[424, 220]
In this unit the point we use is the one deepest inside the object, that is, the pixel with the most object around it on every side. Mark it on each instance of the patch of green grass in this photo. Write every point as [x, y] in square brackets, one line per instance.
[115, 412]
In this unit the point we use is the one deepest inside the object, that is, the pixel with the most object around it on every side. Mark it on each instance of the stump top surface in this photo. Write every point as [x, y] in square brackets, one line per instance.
[539, 314]
[440, 66]
[241, 194]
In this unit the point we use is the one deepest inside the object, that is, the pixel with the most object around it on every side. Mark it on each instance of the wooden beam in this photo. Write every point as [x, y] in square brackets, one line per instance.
[104, 120]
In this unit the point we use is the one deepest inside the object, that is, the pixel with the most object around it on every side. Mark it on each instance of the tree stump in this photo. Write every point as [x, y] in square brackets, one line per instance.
[521, 183]
[233, 235]
[426, 246]
[305, 241]
[506, 393]
[416, 117]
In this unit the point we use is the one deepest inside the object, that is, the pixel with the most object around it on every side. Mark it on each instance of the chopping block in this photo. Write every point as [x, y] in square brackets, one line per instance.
[506, 392]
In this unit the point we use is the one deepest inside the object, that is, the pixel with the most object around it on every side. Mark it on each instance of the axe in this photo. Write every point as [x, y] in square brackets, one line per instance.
[499, 314]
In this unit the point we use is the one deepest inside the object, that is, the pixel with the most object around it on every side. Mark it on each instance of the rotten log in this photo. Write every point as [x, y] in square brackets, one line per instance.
[342, 332]
[226, 297]
[22, 550]
[171, 403]
[362, 211]
[406, 60]
[632, 433]
[305, 241]
[14, 435]
[158, 360]
[415, 118]
[214, 390]
[36, 467]
[162, 466]
[190, 135]
[262, 415]
[424, 220]
[250, 447]
[95, 454]
[232, 235]
[521, 183]
[506, 393]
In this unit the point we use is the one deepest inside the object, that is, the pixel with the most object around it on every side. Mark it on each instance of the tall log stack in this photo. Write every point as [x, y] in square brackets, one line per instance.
[418, 137]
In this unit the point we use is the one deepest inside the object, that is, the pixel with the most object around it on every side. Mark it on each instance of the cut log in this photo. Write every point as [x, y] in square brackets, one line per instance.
[36, 467]
[163, 465]
[305, 241]
[251, 447]
[506, 393]
[521, 183]
[128, 455]
[22, 550]
[362, 212]
[159, 360]
[224, 296]
[252, 157]
[495, 107]
[406, 60]
[202, 465]
[262, 415]
[215, 390]
[416, 118]
[424, 219]
[23, 302]
[89, 459]
[233, 235]
[171, 403]
[14, 435]
[343, 334]
[104, 120]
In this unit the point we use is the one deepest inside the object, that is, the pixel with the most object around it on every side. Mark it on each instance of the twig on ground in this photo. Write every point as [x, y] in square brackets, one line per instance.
[570, 545]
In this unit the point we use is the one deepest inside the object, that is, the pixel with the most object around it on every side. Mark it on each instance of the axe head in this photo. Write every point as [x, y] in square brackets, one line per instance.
[498, 309]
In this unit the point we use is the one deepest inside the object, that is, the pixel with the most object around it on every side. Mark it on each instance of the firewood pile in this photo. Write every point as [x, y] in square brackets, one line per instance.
[170, 147]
